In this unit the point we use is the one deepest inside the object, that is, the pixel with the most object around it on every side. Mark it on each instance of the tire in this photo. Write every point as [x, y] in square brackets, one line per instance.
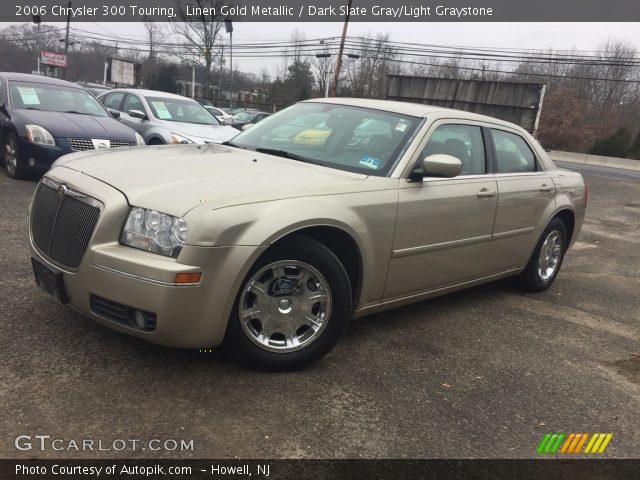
[155, 141]
[546, 259]
[292, 308]
[13, 163]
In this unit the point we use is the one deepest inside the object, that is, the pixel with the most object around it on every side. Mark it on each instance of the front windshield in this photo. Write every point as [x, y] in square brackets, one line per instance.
[54, 98]
[178, 110]
[344, 137]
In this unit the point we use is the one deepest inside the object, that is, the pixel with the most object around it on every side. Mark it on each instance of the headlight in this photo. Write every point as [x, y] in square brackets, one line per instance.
[139, 139]
[38, 134]
[155, 232]
[175, 138]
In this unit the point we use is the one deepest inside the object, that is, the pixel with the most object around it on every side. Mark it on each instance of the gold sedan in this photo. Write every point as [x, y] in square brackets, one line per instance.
[268, 244]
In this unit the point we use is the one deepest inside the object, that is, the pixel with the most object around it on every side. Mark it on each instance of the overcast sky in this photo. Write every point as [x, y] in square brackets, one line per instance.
[583, 36]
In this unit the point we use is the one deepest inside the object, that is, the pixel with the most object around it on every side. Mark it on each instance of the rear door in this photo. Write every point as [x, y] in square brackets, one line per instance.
[526, 196]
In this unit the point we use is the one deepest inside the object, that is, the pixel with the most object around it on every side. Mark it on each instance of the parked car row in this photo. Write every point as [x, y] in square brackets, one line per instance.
[43, 118]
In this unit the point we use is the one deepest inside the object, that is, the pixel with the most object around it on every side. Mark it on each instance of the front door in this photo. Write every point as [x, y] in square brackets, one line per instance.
[444, 226]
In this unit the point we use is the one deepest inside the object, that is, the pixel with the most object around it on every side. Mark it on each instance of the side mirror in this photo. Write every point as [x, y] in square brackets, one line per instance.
[440, 165]
[246, 127]
[3, 108]
[137, 114]
[114, 113]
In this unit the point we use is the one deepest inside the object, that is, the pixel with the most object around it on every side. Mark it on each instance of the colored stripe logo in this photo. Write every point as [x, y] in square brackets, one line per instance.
[573, 443]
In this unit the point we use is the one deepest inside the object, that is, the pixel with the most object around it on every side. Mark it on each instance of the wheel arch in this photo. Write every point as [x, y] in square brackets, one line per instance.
[568, 217]
[341, 243]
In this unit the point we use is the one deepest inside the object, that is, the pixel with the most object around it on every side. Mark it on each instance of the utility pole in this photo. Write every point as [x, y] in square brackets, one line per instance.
[193, 80]
[37, 20]
[334, 85]
[66, 42]
[228, 25]
[221, 73]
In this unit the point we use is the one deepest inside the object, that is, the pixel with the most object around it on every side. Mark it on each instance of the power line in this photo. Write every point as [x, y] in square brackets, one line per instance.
[379, 49]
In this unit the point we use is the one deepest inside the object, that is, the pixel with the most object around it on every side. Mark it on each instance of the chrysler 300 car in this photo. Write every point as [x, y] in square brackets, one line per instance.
[269, 246]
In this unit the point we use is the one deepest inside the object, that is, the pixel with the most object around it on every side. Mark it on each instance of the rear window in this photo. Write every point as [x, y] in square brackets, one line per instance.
[513, 154]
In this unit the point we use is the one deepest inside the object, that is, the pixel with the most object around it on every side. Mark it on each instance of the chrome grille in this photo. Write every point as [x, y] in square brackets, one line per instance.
[62, 223]
[81, 144]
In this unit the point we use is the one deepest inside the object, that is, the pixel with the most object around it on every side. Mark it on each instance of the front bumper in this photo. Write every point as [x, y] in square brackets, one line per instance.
[41, 157]
[187, 316]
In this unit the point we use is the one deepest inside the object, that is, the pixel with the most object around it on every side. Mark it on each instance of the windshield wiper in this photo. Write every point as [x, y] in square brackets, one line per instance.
[283, 153]
[229, 143]
[74, 111]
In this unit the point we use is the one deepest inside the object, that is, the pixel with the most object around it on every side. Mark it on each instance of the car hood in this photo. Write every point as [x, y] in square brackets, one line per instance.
[177, 178]
[210, 133]
[78, 125]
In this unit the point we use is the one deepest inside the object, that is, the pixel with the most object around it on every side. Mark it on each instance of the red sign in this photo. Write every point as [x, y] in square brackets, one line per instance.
[53, 59]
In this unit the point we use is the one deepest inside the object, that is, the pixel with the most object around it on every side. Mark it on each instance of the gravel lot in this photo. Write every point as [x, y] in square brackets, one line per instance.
[481, 373]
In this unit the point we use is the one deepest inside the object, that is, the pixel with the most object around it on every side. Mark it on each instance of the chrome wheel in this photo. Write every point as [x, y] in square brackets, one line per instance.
[11, 155]
[550, 255]
[285, 306]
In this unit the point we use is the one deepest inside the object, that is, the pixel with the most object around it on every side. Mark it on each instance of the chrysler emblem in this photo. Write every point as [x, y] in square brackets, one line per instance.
[62, 190]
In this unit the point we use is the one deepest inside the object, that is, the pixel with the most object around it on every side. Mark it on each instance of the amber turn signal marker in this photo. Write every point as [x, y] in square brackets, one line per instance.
[188, 277]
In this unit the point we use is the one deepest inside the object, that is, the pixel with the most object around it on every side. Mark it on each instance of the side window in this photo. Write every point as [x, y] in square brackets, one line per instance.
[114, 100]
[1, 91]
[461, 141]
[132, 102]
[513, 154]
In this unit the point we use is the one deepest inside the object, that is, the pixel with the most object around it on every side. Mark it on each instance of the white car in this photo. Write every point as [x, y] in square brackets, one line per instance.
[223, 117]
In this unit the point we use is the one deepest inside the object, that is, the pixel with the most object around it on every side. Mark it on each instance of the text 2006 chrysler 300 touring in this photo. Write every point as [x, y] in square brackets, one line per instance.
[330, 209]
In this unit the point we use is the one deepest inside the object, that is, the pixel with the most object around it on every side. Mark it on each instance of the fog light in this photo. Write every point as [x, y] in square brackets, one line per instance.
[139, 318]
[32, 162]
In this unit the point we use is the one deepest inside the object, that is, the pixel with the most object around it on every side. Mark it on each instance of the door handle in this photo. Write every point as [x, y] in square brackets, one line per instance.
[484, 193]
[546, 188]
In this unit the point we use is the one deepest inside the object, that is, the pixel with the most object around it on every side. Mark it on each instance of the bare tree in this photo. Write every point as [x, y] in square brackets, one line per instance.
[367, 74]
[154, 33]
[200, 33]
[322, 68]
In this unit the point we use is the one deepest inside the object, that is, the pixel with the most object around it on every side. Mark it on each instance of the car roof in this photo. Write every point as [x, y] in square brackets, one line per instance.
[151, 93]
[411, 109]
[28, 77]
